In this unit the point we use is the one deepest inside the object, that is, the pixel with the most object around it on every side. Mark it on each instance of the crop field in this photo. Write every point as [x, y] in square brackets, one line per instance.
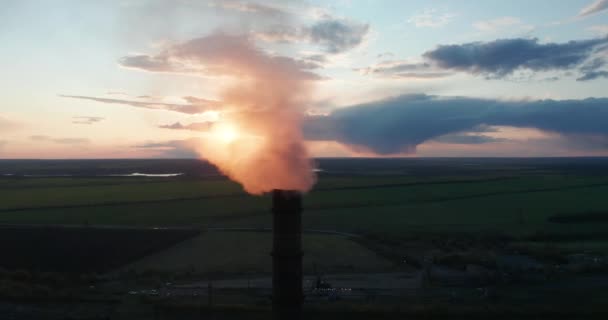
[526, 199]
[514, 203]
[444, 233]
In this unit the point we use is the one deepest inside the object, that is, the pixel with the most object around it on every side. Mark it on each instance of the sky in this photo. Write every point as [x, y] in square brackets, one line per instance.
[151, 78]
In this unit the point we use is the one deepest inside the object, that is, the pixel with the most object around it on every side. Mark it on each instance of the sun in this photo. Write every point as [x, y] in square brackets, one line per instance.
[227, 133]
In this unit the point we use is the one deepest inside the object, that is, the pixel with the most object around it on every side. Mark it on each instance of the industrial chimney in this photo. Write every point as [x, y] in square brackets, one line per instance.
[287, 295]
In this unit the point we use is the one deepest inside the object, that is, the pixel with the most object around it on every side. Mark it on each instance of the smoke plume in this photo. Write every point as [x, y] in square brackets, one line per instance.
[257, 140]
[267, 150]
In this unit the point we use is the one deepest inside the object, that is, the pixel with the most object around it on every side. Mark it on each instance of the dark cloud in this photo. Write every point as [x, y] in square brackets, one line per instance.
[593, 64]
[552, 79]
[502, 57]
[159, 63]
[593, 75]
[59, 140]
[396, 66]
[585, 142]
[219, 54]
[334, 35]
[593, 8]
[402, 69]
[591, 70]
[194, 106]
[399, 124]
[338, 35]
[460, 138]
[173, 149]
[86, 120]
[196, 126]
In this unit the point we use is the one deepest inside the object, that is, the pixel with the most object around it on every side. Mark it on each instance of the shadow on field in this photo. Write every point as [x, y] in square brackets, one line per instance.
[82, 249]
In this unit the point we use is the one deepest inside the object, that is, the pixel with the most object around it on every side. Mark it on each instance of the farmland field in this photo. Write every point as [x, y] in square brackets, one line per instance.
[135, 224]
[398, 197]
[388, 197]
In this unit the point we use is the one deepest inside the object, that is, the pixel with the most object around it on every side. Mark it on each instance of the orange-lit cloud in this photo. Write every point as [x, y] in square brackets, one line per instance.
[193, 106]
[86, 119]
[6, 124]
[67, 141]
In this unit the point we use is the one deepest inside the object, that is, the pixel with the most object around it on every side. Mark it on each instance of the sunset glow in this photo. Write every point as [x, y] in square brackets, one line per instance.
[226, 133]
[296, 159]
[422, 79]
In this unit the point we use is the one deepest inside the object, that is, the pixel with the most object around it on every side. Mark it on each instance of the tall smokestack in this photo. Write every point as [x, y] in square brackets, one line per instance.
[287, 294]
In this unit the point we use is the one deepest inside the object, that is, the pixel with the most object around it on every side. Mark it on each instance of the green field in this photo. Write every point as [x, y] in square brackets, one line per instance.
[395, 205]
[376, 219]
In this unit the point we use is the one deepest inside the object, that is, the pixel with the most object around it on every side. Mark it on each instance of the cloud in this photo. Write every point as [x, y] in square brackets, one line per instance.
[499, 59]
[501, 23]
[592, 69]
[312, 61]
[86, 120]
[338, 35]
[461, 138]
[431, 18]
[219, 54]
[334, 35]
[194, 106]
[117, 93]
[59, 140]
[40, 138]
[173, 148]
[593, 75]
[71, 140]
[400, 124]
[602, 30]
[281, 34]
[404, 69]
[7, 125]
[502, 57]
[196, 126]
[159, 63]
[386, 54]
[263, 10]
[593, 8]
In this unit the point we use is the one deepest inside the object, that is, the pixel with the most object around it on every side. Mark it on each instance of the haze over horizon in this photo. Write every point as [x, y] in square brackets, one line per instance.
[155, 79]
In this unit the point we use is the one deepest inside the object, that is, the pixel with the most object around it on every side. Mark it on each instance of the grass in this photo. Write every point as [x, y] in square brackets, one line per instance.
[66, 192]
[516, 205]
[392, 204]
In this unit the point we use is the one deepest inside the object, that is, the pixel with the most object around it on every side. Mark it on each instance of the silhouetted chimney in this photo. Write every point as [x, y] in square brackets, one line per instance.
[287, 295]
